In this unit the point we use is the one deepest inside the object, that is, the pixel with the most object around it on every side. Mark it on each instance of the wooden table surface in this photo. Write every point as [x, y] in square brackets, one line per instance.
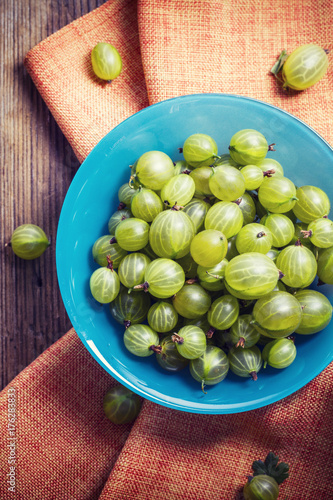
[37, 166]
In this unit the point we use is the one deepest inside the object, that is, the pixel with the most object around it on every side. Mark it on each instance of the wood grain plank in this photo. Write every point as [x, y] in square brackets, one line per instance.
[37, 166]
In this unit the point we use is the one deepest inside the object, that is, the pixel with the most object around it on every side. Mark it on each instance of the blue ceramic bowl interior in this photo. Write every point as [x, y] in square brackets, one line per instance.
[92, 198]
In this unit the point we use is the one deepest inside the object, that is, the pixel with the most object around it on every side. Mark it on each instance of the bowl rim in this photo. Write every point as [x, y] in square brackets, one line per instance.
[90, 346]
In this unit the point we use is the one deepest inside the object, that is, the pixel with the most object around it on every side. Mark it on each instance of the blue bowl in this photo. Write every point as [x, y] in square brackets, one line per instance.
[92, 198]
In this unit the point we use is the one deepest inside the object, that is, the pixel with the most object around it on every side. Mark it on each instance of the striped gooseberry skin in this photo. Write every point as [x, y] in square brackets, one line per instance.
[209, 247]
[312, 203]
[104, 285]
[281, 227]
[201, 180]
[125, 194]
[121, 405]
[165, 277]
[253, 177]
[248, 208]
[254, 237]
[298, 264]
[271, 164]
[277, 194]
[243, 333]
[232, 249]
[251, 275]
[132, 234]
[197, 210]
[179, 190]
[147, 250]
[140, 340]
[317, 311]
[211, 367]
[171, 233]
[226, 159]
[106, 61]
[153, 169]
[226, 183]
[248, 146]
[261, 487]
[321, 233]
[29, 241]
[272, 254]
[226, 217]
[169, 358]
[190, 341]
[103, 248]
[201, 322]
[212, 278]
[245, 362]
[146, 204]
[189, 266]
[192, 301]
[279, 353]
[304, 67]
[325, 266]
[130, 308]
[223, 312]
[200, 150]
[277, 314]
[162, 316]
[132, 268]
[117, 217]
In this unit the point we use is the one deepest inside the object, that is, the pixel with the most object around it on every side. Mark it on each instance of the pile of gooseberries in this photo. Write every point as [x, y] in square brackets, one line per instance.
[208, 260]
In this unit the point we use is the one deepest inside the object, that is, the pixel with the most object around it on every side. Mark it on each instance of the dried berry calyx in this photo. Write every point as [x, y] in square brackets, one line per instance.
[271, 467]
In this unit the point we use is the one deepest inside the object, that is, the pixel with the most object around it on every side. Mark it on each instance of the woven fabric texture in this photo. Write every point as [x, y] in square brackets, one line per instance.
[64, 445]
[66, 449]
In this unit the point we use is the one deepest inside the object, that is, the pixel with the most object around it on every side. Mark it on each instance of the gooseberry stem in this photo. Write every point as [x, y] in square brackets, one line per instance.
[113, 240]
[127, 323]
[269, 173]
[216, 276]
[203, 386]
[110, 262]
[279, 63]
[176, 207]
[210, 332]
[144, 286]
[270, 147]
[156, 348]
[130, 182]
[306, 234]
[191, 281]
[261, 234]
[241, 342]
[121, 206]
[177, 338]
[254, 375]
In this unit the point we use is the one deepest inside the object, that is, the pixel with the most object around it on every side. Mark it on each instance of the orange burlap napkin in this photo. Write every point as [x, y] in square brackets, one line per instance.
[52, 422]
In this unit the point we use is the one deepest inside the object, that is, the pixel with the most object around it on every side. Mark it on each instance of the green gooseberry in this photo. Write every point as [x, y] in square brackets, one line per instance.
[29, 241]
